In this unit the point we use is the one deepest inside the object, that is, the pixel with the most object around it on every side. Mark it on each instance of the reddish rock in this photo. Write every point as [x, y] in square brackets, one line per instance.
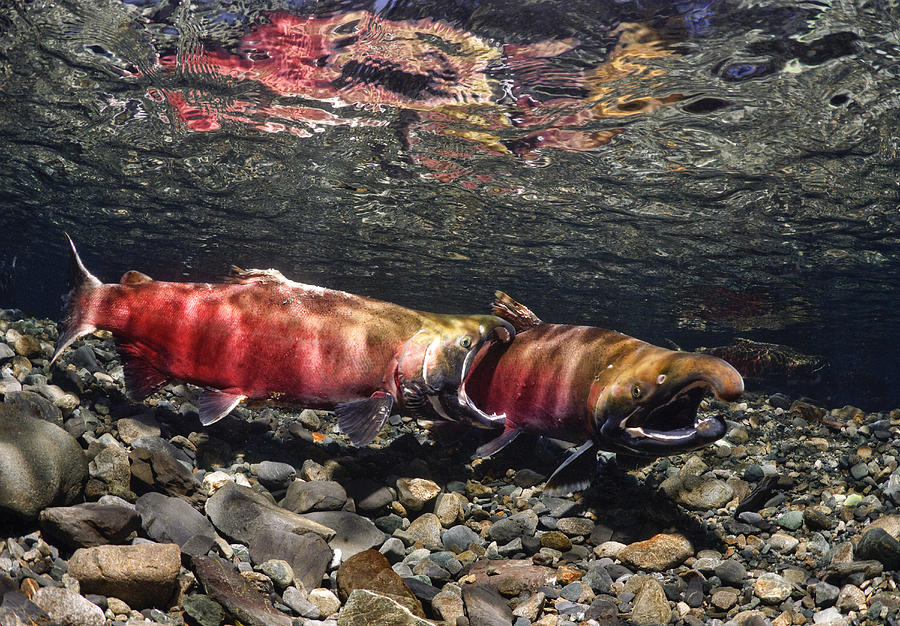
[370, 570]
[511, 577]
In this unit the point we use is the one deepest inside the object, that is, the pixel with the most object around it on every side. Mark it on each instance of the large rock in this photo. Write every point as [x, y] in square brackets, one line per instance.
[307, 554]
[33, 405]
[366, 607]
[650, 603]
[240, 513]
[486, 607]
[771, 588]
[225, 585]
[315, 495]
[155, 470]
[67, 608]
[877, 544]
[511, 577]
[425, 531]
[41, 464]
[353, 533]
[90, 524]
[701, 494]
[110, 474]
[658, 553]
[142, 575]
[415, 493]
[167, 519]
[370, 570]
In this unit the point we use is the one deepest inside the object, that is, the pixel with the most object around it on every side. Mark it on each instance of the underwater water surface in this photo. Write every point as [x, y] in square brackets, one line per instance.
[682, 171]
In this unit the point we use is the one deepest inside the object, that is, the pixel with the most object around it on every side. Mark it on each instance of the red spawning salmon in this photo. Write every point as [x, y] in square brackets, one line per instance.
[263, 338]
[598, 388]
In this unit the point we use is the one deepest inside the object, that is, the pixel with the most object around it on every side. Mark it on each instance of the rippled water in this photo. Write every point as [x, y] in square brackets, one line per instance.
[690, 171]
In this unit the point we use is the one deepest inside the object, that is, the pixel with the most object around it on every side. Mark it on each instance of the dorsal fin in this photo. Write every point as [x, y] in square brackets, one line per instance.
[239, 276]
[516, 313]
[134, 277]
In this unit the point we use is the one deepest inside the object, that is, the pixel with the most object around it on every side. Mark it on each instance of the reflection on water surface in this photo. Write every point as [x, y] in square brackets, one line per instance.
[693, 171]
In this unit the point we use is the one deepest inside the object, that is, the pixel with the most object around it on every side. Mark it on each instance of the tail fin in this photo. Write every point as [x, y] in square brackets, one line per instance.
[81, 281]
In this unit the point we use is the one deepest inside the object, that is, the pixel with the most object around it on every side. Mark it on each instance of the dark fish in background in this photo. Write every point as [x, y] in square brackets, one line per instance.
[770, 362]
[597, 388]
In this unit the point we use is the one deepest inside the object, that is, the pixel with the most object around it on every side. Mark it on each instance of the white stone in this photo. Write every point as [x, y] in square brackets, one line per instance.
[213, 481]
[324, 600]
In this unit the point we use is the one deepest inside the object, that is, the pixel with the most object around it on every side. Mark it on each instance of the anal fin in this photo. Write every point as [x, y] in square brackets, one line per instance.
[141, 377]
[575, 473]
[362, 420]
[495, 445]
[214, 404]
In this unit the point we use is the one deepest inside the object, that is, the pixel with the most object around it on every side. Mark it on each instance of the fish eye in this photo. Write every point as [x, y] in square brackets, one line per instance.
[636, 392]
[465, 341]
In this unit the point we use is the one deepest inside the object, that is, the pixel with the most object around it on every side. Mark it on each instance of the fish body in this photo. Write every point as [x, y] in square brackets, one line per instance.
[598, 388]
[263, 338]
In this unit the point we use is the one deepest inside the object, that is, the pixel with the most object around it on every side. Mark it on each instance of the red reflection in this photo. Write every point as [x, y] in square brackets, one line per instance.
[440, 72]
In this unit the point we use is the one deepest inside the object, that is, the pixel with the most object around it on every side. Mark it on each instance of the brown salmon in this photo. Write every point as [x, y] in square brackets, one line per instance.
[598, 388]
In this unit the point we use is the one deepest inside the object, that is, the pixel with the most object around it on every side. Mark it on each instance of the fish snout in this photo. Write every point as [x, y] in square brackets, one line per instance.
[723, 379]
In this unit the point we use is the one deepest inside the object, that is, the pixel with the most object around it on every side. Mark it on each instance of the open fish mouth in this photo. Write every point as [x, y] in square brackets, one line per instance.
[672, 426]
[503, 334]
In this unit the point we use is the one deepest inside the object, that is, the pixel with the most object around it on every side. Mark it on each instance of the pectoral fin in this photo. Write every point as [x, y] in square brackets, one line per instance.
[362, 420]
[575, 473]
[213, 405]
[495, 445]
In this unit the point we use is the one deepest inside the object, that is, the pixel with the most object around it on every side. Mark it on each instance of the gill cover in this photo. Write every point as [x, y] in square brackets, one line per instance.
[433, 364]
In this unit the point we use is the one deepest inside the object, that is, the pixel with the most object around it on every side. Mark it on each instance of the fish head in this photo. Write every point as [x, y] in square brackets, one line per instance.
[435, 363]
[647, 404]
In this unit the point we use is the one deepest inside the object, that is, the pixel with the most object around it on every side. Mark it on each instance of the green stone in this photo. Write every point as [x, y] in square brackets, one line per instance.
[203, 609]
[792, 520]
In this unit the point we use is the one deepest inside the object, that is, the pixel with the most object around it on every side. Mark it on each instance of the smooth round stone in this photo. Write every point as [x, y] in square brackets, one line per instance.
[792, 520]
[709, 494]
[279, 572]
[324, 600]
[575, 526]
[771, 588]
[783, 544]
[314, 495]
[707, 564]
[274, 475]
[750, 517]
[458, 538]
[731, 572]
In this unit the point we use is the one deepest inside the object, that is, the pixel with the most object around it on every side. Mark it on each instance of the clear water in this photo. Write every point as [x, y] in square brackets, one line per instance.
[685, 171]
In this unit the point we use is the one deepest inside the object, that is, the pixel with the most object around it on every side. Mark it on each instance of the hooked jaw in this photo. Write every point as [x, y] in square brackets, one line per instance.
[502, 333]
[670, 423]
[456, 405]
